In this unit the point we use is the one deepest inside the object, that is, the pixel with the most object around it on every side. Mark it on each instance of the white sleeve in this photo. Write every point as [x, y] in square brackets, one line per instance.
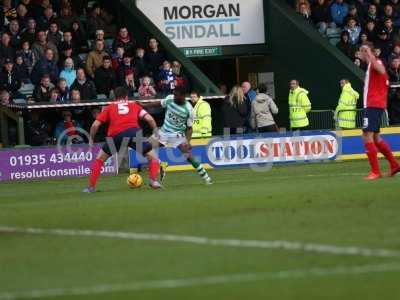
[191, 117]
[165, 101]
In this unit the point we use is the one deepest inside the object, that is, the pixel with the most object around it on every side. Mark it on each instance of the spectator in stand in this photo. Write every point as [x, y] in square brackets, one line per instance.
[363, 39]
[125, 40]
[22, 70]
[396, 5]
[339, 11]
[9, 11]
[6, 50]
[54, 96]
[41, 44]
[95, 58]
[118, 57]
[372, 13]
[180, 78]
[99, 19]
[79, 36]
[378, 54]
[66, 18]
[359, 62]
[345, 46]
[384, 44]
[395, 52]
[167, 79]
[394, 71]
[389, 13]
[41, 93]
[68, 52]
[154, 58]
[354, 31]
[140, 63]
[68, 72]
[354, 14]
[388, 27]
[304, 10]
[370, 29]
[54, 35]
[146, 90]
[321, 16]
[223, 88]
[14, 33]
[234, 111]
[84, 85]
[47, 18]
[262, 111]
[129, 84]
[22, 17]
[29, 34]
[5, 98]
[126, 67]
[67, 41]
[104, 78]
[37, 130]
[67, 130]
[27, 55]
[47, 65]
[63, 91]
[9, 79]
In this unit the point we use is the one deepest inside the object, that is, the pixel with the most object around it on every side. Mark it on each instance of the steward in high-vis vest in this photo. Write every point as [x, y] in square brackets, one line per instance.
[346, 109]
[202, 127]
[299, 106]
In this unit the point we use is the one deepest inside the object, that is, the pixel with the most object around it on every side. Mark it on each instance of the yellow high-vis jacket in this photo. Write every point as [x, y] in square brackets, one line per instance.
[202, 126]
[346, 109]
[299, 106]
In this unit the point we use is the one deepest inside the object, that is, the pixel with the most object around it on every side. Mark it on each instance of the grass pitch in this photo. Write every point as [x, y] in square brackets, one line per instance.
[309, 205]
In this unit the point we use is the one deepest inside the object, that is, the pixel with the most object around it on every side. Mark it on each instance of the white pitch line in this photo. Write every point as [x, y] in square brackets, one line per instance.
[201, 281]
[198, 240]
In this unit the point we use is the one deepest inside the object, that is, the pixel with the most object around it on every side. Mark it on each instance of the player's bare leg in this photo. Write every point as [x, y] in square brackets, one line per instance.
[385, 149]
[96, 171]
[154, 169]
[186, 149]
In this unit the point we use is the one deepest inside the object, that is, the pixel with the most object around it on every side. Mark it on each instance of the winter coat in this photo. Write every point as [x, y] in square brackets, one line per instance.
[262, 110]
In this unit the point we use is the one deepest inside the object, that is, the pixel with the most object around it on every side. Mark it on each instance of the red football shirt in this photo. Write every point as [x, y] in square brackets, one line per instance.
[120, 116]
[376, 88]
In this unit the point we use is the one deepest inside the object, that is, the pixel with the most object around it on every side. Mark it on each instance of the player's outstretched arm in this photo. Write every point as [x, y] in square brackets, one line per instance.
[376, 64]
[150, 121]
[93, 131]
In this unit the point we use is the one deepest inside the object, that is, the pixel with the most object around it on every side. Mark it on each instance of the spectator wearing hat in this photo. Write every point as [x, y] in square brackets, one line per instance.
[27, 55]
[41, 44]
[46, 65]
[339, 11]
[41, 93]
[84, 85]
[68, 72]
[320, 15]
[354, 31]
[14, 33]
[30, 32]
[6, 50]
[95, 58]
[125, 40]
[126, 67]
[10, 80]
[154, 57]
[104, 78]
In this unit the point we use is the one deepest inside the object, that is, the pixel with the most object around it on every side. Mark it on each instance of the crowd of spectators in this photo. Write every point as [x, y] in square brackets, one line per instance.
[62, 51]
[355, 22]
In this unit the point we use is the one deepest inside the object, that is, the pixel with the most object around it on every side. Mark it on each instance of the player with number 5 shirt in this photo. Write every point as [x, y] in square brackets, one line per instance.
[123, 119]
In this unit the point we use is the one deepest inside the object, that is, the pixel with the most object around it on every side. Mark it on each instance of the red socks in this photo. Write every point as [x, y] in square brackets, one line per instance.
[372, 154]
[154, 168]
[384, 148]
[96, 170]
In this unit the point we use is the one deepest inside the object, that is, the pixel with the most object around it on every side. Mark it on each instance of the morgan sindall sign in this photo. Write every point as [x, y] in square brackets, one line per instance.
[201, 23]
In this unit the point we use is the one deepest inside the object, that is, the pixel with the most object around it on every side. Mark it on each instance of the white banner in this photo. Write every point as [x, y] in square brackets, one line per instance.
[201, 23]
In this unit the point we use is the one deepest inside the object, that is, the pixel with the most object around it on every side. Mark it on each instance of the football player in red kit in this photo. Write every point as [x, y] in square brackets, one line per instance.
[123, 119]
[375, 101]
